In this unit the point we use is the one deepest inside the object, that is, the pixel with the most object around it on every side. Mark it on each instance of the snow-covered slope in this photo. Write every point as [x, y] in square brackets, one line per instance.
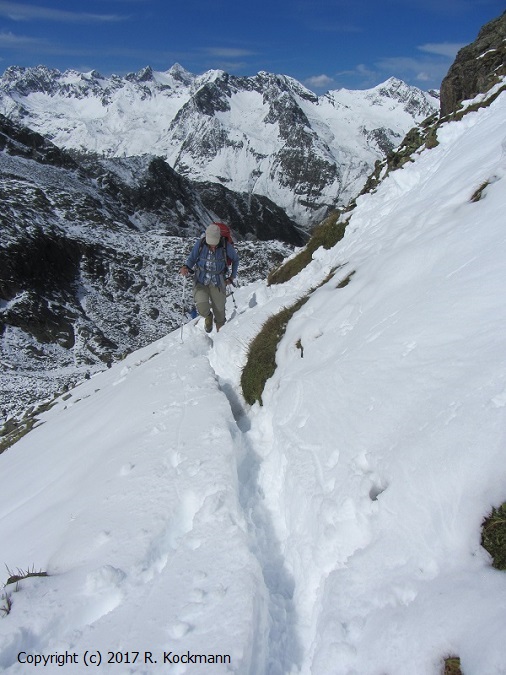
[265, 135]
[336, 529]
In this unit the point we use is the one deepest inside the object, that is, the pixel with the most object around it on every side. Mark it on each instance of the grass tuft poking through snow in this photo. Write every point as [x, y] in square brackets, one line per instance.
[15, 578]
[493, 537]
[345, 281]
[6, 604]
[261, 362]
[22, 574]
[452, 666]
[479, 192]
[326, 234]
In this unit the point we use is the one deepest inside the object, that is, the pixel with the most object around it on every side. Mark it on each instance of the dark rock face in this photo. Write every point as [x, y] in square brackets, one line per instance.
[18, 140]
[477, 67]
[259, 217]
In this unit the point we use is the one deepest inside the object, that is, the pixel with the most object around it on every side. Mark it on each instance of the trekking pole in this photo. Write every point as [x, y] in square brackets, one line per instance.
[232, 294]
[183, 307]
[233, 299]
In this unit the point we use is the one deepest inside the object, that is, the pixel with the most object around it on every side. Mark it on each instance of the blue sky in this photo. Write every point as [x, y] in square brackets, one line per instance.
[326, 44]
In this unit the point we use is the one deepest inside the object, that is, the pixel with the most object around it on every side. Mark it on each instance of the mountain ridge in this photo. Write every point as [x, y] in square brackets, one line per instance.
[265, 134]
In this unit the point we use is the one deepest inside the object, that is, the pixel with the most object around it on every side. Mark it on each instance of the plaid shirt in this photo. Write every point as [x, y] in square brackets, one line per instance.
[212, 268]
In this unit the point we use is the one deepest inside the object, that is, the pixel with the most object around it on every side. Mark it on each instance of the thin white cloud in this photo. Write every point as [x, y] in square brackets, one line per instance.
[40, 46]
[365, 74]
[228, 52]
[319, 81]
[426, 71]
[452, 7]
[365, 71]
[9, 40]
[20, 12]
[448, 49]
[230, 59]
[401, 63]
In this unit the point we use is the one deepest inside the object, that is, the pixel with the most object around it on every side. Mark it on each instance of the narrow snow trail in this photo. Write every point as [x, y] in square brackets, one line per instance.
[282, 647]
[284, 651]
[138, 494]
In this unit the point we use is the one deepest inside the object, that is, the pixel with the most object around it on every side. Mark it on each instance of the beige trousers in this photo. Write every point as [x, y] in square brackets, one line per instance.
[209, 298]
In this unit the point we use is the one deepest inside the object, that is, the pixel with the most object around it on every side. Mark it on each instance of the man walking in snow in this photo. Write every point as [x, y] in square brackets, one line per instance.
[208, 260]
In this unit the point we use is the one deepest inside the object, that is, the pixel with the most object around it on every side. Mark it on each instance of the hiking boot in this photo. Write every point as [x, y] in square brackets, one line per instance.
[209, 322]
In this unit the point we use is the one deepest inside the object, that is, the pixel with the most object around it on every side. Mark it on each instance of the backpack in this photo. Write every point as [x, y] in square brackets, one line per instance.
[227, 235]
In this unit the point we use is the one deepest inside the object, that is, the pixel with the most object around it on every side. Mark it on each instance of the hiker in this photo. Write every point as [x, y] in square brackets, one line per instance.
[209, 261]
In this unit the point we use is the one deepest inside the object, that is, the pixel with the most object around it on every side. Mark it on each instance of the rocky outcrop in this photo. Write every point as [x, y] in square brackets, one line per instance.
[477, 67]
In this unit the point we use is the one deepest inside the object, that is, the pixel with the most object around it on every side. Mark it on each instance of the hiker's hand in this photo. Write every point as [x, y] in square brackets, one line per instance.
[184, 271]
[229, 281]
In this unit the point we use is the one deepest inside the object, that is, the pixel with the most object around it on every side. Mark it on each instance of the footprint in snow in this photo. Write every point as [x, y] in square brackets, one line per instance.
[126, 469]
[102, 594]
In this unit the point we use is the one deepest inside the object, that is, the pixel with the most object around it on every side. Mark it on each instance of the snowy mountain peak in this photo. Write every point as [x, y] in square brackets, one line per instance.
[143, 75]
[181, 74]
[266, 134]
[391, 83]
[93, 74]
[396, 89]
[211, 76]
[24, 81]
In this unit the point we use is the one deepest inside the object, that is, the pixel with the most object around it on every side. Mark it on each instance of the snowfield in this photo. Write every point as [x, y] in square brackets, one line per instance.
[336, 529]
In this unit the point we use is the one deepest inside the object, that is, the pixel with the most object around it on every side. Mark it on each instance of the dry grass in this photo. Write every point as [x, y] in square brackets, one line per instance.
[326, 234]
